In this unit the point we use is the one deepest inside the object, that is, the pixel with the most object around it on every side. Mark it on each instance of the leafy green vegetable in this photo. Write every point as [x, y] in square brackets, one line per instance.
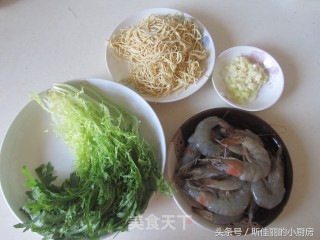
[116, 170]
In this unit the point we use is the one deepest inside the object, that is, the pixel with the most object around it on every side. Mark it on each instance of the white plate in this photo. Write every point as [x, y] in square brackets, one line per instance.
[119, 70]
[27, 143]
[268, 94]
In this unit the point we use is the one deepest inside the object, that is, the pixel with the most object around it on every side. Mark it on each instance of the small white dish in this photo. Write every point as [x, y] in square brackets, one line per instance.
[120, 71]
[269, 93]
[27, 144]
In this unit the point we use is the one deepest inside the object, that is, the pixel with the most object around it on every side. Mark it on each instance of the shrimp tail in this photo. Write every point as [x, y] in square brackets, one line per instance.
[189, 157]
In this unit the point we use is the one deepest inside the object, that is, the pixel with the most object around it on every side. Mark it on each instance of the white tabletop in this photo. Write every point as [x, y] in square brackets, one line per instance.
[44, 41]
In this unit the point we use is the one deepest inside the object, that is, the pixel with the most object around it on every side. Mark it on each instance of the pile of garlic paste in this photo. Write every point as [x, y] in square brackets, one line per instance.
[244, 78]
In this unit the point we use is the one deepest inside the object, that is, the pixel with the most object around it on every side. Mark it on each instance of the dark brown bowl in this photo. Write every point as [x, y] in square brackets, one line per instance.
[242, 120]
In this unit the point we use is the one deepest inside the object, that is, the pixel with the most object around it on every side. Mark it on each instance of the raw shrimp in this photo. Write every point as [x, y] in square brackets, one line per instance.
[216, 218]
[226, 184]
[224, 137]
[202, 137]
[227, 130]
[223, 202]
[269, 192]
[257, 166]
[203, 171]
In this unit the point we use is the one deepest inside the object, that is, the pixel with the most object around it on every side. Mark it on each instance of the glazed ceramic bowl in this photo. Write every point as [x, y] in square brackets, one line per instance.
[243, 120]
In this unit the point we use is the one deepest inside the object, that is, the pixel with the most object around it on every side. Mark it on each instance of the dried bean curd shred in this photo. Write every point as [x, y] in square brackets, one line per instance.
[164, 54]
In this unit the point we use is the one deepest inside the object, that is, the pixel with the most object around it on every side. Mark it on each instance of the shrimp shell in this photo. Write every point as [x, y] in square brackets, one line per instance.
[202, 137]
[269, 192]
[224, 202]
[257, 166]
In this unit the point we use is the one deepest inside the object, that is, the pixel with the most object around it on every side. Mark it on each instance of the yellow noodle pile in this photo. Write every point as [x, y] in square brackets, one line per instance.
[164, 54]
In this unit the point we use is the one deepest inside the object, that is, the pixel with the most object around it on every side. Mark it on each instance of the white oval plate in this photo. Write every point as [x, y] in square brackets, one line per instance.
[27, 144]
[268, 94]
[120, 72]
